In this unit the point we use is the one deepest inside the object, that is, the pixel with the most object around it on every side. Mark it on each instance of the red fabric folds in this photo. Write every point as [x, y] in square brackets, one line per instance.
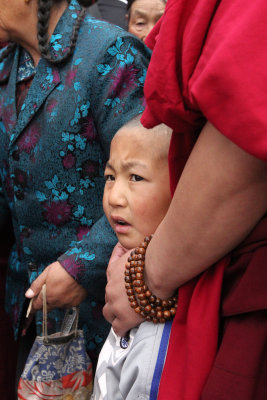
[209, 63]
[194, 337]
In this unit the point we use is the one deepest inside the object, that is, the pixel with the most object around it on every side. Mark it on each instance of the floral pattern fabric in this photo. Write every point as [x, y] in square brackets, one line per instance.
[52, 157]
[57, 371]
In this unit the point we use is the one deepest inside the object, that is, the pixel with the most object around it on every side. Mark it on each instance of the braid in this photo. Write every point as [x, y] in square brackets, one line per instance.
[44, 10]
[9, 49]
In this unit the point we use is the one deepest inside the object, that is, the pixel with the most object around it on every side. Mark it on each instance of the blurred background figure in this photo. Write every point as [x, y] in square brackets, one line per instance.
[142, 15]
[112, 11]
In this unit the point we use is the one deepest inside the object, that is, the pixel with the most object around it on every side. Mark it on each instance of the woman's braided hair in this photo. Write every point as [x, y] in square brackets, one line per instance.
[44, 10]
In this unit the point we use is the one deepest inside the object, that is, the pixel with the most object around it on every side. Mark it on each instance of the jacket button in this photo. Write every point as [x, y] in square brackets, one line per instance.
[32, 266]
[15, 155]
[26, 232]
[19, 195]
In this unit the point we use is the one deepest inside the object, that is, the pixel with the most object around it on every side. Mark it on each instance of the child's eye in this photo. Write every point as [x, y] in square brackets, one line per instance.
[109, 178]
[136, 178]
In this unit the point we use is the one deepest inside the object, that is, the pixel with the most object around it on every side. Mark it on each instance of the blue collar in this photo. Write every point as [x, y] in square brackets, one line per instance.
[26, 67]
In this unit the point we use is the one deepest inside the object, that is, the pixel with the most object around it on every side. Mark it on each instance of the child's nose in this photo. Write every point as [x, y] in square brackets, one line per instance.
[117, 195]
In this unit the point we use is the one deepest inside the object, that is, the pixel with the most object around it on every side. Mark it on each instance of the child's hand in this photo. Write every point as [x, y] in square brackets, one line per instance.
[117, 309]
[117, 253]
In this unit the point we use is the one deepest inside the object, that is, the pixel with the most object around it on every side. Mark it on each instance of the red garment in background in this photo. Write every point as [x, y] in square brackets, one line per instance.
[209, 63]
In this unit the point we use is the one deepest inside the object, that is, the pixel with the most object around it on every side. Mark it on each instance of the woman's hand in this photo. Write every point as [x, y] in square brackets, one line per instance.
[117, 309]
[62, 291]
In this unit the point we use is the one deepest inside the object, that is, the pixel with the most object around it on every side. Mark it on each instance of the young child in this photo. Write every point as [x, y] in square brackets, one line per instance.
[136, 198]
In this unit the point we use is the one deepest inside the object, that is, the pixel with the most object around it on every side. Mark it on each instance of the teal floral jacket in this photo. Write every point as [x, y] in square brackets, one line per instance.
[52, 157]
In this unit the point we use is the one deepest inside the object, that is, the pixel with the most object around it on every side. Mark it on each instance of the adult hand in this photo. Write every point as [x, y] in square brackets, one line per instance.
[62, 291]
[117, 309]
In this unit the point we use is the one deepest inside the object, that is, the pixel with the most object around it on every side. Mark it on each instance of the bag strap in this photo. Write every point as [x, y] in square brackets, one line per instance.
[44, 313]
[70, 321]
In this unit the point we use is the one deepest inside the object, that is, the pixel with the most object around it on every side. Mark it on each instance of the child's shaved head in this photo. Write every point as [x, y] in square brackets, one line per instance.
[157, 139]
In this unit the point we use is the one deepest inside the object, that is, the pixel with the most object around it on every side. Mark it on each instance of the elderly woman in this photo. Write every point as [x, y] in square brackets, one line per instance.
[67, 83]
[142, 15]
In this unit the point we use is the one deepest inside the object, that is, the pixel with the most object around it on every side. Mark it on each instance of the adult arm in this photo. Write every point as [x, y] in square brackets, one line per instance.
[220, 197]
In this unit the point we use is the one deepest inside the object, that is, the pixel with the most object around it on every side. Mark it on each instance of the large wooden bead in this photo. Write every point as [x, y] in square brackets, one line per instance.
[141, 250]
[138, 283]
[153, 312]
[148, 308]
[143, 303]
[164, 303]
[141, 296]
[158, 302]
[134, 304]
[173, 311]
[166, 314]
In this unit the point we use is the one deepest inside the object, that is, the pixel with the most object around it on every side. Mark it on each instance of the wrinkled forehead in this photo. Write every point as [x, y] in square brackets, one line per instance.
[151, 141]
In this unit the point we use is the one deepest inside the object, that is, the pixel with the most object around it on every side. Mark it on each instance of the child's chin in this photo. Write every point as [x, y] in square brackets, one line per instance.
[130, 243]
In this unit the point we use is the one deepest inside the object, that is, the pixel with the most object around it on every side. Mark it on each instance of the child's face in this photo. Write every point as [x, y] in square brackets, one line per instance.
[137, 194]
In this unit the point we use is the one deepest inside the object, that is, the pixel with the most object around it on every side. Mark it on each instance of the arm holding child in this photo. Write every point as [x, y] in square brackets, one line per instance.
[215, 206]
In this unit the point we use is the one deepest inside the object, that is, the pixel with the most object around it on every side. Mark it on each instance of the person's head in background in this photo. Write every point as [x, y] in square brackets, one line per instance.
[137, 191]
[142, 15]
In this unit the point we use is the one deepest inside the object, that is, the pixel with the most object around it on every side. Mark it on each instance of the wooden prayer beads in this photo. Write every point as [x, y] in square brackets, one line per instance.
[140, 297]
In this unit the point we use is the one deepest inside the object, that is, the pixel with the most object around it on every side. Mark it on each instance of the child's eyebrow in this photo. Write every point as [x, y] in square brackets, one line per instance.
[126, 165]
[108, 165]
[131, 164]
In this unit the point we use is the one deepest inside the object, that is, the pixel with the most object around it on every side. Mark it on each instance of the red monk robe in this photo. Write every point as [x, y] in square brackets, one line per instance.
[209, 63]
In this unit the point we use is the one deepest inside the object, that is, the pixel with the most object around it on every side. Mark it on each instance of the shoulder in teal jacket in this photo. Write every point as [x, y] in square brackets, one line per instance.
[52, 157]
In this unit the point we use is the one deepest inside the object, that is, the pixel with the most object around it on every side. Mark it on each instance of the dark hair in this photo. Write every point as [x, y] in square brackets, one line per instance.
[130, 2]
[44, 10]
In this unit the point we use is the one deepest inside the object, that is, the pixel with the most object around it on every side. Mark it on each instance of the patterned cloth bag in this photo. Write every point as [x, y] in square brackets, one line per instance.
[58, 366]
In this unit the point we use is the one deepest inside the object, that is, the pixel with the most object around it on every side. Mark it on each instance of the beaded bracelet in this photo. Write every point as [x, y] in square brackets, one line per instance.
[140, 297]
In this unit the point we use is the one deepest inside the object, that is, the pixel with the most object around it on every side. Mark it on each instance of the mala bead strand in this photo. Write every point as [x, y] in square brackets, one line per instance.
[140, 297]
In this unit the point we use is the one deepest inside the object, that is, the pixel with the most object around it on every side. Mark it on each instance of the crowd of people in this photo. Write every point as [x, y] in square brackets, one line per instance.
[133, 183]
